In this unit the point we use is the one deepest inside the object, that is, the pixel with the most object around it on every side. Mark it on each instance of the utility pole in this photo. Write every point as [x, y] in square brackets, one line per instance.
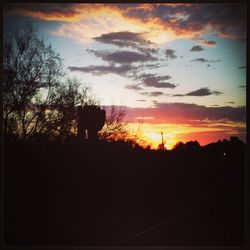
[162, 144]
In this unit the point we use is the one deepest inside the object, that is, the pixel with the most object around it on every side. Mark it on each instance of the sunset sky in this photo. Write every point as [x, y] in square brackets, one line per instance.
[178, 68]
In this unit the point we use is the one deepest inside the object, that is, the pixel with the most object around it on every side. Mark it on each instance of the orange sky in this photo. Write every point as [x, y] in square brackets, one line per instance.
[174, 133]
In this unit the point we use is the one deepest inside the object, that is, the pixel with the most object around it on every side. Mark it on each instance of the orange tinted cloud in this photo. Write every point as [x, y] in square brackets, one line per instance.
[96, 20]
[160, 22]
[51, 16]
[188, 113]
[86, 21]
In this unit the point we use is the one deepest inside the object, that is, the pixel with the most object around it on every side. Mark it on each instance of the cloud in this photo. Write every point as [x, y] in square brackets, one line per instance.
[126, 70]
[159, 22]
[170, 53]
[200, 92]
[141, 100]
[122, 39]
[189, 113]
[196, 48]
[203, 60]
[153, 80]
[153, 93]
[133, 87]
[194, 111]
[122, 70]
[123, 57]
[178, 95]
[144, 118]
[127, 39]
[205, 42]
[242, 67]
[225, 20]
[151, 66]
[203, 92]
[186, 121]
[242, 86]
[46, 11]
[216, 92]
[209, 43]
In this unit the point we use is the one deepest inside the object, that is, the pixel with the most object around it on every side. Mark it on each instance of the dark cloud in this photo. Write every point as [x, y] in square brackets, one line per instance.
[127, 39]
[126, 70]
[122, 39]
[123, 57]
[196, 48]
[156, 93]
[141, 100]
[178, 95]
[152, 66]
[216, 92]
[203, 60]
[223, 19]
[170, 53]
[123, 70]
[201, 92]
[153, 80]
[242, 67]
[188, 113]
[203, 112]
[242, 86]
[209, 42]
[133, 87]
[45, 8]
[153, 93]
[226, 20]
[230, 102]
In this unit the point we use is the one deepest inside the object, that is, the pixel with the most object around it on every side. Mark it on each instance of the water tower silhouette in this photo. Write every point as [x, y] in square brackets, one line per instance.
[91, 119]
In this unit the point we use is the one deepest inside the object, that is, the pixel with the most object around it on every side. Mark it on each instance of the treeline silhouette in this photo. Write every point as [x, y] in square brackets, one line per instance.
[117, 193]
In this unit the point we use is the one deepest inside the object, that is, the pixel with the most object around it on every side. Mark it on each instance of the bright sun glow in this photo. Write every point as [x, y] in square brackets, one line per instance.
[154, 139]
[150, 134]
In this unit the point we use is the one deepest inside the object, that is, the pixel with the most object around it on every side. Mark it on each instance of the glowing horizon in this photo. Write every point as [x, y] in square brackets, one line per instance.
[174, 133]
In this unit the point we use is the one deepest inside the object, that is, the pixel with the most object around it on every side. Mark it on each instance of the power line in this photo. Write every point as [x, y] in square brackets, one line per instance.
[163, 222]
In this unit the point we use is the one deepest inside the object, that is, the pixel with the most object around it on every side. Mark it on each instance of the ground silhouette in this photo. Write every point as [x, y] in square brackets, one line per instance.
[118, 194]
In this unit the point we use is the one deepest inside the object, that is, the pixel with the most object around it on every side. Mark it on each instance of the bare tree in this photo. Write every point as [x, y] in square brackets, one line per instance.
[115, 127]
[64, 100]
[36, 99]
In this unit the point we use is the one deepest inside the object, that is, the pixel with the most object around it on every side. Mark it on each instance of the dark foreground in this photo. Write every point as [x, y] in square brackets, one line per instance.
[112, 195]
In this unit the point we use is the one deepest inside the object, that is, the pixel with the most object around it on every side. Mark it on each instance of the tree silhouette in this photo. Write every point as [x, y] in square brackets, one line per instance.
[190, 146]
[179, 146]
[115, 127]
[37, 100]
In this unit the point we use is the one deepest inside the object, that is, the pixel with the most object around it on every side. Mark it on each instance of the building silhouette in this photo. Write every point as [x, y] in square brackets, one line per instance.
[91, 119]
